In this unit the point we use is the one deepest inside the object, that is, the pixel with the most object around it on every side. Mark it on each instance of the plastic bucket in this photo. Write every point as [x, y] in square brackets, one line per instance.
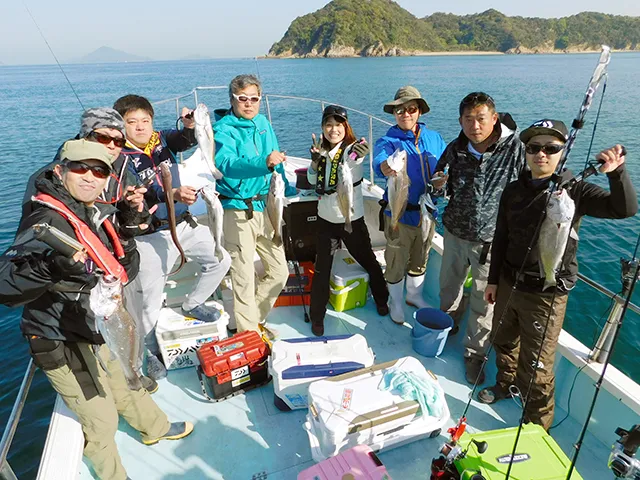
[430, 331]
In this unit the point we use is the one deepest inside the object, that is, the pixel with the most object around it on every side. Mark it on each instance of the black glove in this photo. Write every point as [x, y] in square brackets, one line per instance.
[361, 149]
[316, 157]
[62, 267]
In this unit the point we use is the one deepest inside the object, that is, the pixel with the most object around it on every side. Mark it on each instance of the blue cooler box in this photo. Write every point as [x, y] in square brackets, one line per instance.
[297, 362]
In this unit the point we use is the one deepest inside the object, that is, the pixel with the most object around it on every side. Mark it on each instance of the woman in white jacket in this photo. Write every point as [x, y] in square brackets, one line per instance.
[338, 145]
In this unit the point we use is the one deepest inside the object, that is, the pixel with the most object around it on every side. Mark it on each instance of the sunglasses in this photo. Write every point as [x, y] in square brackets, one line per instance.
[477, 97]
[548, 149]
[334, 110]
[246, 98]
[410, 110]
[106, 139]
[80, 168]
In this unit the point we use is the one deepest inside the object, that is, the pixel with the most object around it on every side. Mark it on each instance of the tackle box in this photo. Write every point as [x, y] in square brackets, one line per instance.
[357, 463]
[291, 294]
[297, 362]
[232, 366]
[180, 337]
[537, 457]
[349, 283]
[351, 409]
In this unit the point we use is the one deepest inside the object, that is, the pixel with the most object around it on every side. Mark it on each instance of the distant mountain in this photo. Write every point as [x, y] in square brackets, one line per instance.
[344, 28]
[111, 55]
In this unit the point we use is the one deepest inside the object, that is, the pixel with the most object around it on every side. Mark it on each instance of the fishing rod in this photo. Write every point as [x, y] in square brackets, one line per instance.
[630, 276]
[450, 450]
[557, 184]
[54, 55]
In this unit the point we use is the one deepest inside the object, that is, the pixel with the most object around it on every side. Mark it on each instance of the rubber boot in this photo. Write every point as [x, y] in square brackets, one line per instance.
[414, 292]
[396, 297]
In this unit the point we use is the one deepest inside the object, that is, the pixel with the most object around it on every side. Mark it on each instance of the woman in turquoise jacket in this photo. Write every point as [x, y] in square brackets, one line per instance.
[247, 153]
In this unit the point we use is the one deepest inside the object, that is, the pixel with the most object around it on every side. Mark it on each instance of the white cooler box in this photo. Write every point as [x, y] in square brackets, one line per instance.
[297, 362]
[180, 337]
[350, 410]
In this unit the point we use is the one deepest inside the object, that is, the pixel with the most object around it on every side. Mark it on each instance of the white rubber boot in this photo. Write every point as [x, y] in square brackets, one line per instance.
[396, 297]
[414, 292]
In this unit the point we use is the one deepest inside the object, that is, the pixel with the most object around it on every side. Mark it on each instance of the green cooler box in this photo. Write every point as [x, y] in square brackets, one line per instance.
[349, 283]
[538, 456]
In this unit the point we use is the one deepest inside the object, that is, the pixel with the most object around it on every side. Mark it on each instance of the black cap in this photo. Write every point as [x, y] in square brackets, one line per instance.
[335, 111]
[546, 126]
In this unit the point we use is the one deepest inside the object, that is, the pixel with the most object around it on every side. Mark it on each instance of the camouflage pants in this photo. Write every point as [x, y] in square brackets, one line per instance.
[517, 342]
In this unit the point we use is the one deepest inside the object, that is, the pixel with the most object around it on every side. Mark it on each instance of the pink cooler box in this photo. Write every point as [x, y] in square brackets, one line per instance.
[357, 463]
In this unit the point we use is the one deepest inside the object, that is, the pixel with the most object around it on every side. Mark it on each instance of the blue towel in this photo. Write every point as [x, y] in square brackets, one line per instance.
[414, 387]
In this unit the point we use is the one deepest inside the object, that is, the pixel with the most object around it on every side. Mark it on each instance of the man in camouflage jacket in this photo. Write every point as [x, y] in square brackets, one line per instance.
[475, 167]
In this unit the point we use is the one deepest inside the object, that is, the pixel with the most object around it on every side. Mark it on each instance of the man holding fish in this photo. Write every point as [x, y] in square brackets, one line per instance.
[250, 160]
[406, 156]
[543, 273]
[58, 321]
[174, 232]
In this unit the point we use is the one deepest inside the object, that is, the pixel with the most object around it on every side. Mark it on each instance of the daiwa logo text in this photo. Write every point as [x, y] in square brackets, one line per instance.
[517, 458]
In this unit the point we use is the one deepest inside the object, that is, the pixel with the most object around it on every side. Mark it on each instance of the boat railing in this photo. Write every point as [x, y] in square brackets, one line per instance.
[267, 102]
[6, 473]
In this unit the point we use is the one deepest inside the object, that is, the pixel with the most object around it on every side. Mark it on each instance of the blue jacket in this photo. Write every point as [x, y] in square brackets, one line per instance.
[431, 146]
[242, 148]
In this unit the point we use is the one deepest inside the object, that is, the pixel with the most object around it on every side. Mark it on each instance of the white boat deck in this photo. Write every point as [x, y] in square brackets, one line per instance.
[247, 438]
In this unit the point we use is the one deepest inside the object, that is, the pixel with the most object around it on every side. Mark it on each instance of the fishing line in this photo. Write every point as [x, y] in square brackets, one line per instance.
[54, 55]
[578, 197]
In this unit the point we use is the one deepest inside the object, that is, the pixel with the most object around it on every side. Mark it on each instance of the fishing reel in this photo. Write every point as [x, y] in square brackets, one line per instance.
[443, 468]
[623, 461]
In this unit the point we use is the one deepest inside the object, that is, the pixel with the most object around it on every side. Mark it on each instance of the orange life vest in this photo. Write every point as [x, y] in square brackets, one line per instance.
[97, 251]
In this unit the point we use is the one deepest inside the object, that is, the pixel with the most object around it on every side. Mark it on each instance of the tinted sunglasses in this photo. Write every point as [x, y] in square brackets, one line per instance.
[477, 97]
[80, 168]
[106, 139]
[332, 110]
[246, 98]
[548, 149]
[410, 110]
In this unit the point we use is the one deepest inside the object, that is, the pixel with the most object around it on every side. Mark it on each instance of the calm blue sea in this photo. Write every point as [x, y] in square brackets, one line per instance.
[39, 111]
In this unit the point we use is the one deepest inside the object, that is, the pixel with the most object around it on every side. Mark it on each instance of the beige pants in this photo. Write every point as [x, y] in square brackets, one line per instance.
[406, 252]
[459, 256]
[99, 415]
[243, 239]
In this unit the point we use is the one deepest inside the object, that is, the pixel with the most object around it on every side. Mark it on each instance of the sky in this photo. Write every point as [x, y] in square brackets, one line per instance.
[172, 30]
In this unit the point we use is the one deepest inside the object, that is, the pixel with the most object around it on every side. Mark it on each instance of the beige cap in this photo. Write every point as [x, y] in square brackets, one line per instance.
[78, 150]
[404, 95]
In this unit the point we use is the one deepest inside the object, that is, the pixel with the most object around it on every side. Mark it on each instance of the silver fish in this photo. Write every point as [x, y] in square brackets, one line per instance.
[275, 206]
[215, 215]
[117, 327]
[398, 187]
[204, 136]
[554, 233]
[426, 217]
[344, 191]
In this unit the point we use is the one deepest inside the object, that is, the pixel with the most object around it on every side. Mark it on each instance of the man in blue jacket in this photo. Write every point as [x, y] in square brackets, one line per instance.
[407, 251]
[247, 153]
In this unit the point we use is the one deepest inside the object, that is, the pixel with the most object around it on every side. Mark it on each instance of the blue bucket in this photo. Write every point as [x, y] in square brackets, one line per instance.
[430, 331]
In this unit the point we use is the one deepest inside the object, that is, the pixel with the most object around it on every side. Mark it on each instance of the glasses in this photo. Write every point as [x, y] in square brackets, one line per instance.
[410, 110]
[246, 98]
[99, 171]
[332, 110]
[548, 149]
[106, 139]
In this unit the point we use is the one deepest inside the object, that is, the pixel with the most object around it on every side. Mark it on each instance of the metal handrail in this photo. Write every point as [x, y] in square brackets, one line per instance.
[14, 418]
[592, 283]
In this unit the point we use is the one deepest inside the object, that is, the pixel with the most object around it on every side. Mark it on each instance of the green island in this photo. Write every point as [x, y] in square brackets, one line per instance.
[352, 28]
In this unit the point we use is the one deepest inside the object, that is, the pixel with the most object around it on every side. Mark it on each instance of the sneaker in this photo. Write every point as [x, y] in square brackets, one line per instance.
[149, 384]
[472, 367]
[491, 395]
[203, 313]
[177, 430]
[383, 310]
[155, 368]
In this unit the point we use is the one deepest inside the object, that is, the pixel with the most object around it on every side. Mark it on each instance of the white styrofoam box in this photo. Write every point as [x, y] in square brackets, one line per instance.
[351, 409]
[295, 363]
[179, 337]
